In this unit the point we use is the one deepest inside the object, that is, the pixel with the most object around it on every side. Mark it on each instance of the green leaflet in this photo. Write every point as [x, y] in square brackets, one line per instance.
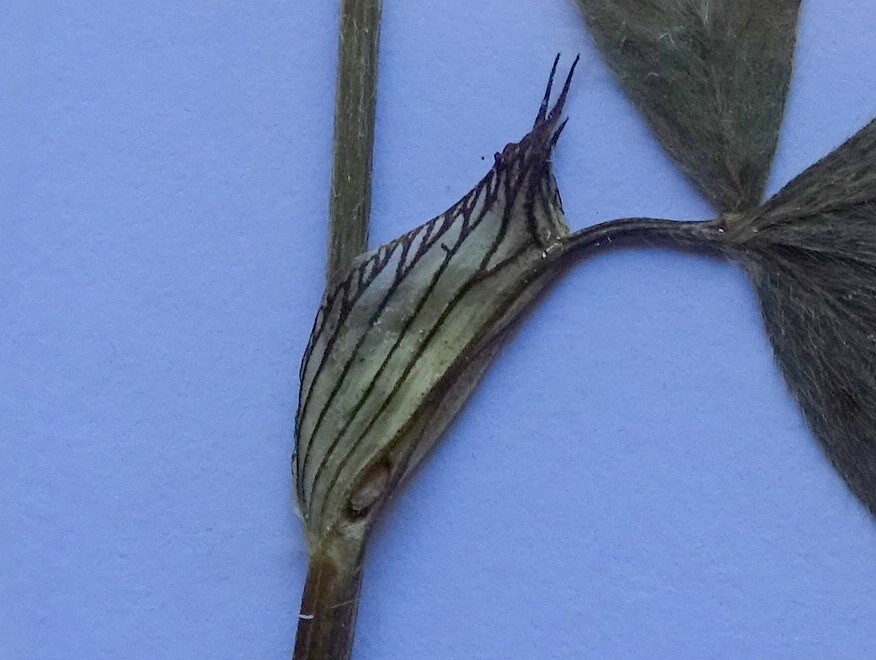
[400, 342]
[811, 253]
[710, 77]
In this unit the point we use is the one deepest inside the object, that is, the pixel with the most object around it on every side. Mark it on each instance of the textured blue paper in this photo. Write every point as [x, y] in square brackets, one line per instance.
[631, 480]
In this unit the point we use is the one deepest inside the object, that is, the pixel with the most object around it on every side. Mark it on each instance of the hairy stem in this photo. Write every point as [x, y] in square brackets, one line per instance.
[355, 97]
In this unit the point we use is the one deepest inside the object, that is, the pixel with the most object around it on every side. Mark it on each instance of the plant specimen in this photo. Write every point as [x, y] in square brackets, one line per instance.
[405, 331]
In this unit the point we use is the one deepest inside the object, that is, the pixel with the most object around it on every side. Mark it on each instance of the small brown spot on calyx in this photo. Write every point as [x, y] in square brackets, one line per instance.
[371, 488]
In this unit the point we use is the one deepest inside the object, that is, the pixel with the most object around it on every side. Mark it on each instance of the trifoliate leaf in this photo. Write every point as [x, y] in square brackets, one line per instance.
[811, 252]
[710, 77]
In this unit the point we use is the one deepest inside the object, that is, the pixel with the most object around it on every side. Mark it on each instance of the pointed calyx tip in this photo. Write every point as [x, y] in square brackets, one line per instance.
[550, 116]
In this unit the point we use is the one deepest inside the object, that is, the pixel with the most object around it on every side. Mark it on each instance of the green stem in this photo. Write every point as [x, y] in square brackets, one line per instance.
[355, 98]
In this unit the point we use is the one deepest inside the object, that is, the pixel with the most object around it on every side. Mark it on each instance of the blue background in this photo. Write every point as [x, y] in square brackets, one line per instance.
[631, 480]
